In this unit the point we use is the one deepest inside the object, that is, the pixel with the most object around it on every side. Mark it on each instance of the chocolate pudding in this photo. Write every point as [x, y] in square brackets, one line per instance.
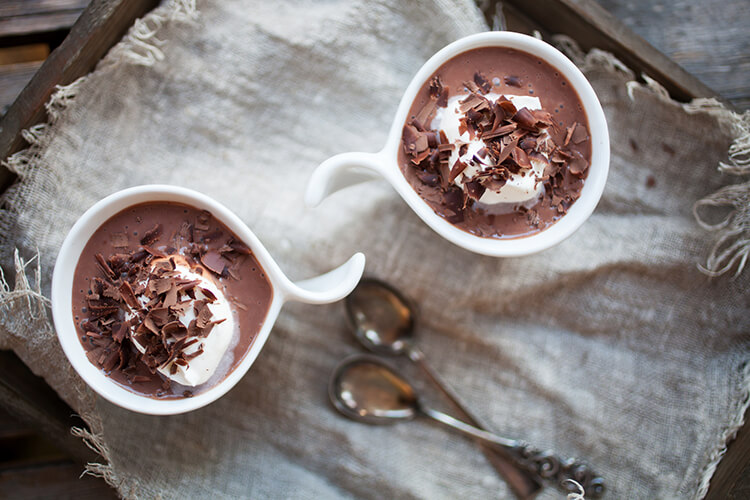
[497, 143]
[167, 300]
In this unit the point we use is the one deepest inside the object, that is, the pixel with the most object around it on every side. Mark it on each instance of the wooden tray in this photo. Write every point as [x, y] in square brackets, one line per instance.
[103, 24]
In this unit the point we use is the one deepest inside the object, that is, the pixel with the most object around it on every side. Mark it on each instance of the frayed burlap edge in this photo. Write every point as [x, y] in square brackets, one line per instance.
[731, 249]
[140, 46]
[738, 420]
[732, 246]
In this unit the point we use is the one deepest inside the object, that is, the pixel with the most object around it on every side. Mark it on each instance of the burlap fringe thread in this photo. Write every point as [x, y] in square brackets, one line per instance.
[731, 249]
[732, 246]
[141, 46]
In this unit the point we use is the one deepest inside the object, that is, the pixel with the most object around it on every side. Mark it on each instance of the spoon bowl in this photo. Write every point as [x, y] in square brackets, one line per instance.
[382, 319]
[366, 389]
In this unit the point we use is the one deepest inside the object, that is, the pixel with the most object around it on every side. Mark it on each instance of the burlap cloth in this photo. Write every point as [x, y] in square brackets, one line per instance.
[611, 346]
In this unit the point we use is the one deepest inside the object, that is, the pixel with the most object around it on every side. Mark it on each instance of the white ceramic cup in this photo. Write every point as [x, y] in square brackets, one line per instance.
[347, 169]
[323, 289]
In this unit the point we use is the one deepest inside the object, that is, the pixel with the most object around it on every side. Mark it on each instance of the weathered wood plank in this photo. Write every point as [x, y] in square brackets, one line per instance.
[38, 23]
[30, 400]
[14, 78]
[10, 8]
[731, 481]
[101, 25]
[55, 480]
[24, 53]
[592, 26]
[10, 427]
[709, 38]
[24, 17]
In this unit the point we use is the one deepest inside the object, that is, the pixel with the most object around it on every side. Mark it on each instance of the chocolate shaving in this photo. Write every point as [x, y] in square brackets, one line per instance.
[494, 182]
[474, 189]
[202, 221]
[119, 332]
[202, 315]
[512, 81]
[110, 360]
[194, 354]
[108, 290]
[456, 170]
[471, 87]
[438, 92]
[180, 308]
[419, 158]
[126, 291]
[482, 82]
[214, 262]
[171, 297]
[525, 119]
[509, 109]
[414, 141]
[500, 131]
[529, 143]
[155, 252]
[207, 329]
[159, 285]
[520, 157]
[578, 164]
[150, 236]
[579, 134]
[425, 113]
[240, 247]
[436, 88]
[506, 151]
[474, 102]
[208, 294]
[104, 266]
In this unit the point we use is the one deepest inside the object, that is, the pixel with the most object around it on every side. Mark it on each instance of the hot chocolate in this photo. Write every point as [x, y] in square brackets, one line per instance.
[167, 300]
[497, 143]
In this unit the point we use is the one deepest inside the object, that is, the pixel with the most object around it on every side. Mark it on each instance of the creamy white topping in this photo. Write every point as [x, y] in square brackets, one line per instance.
[215, 345]
[521, 187]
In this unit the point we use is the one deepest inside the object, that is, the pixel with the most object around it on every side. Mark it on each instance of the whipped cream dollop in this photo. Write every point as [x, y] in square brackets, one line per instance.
[205, 353]
[521, 187]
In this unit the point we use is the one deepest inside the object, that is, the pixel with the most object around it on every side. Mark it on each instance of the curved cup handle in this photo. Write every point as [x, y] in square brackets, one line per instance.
[329, 287]
[341, 171]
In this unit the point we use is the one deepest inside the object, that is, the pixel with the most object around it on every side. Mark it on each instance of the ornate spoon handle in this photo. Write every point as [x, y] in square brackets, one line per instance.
[554, 469]
[548, 466]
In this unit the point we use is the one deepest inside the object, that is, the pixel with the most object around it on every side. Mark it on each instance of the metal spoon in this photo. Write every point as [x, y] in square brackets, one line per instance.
[366, 389]
[383, 320]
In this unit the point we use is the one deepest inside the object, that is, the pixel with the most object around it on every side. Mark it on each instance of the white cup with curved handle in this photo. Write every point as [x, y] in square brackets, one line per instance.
[347, 169]
[323, 289]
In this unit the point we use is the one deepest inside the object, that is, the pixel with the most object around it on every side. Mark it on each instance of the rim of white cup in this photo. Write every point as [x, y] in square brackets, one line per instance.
[62, 293]
[593, 186]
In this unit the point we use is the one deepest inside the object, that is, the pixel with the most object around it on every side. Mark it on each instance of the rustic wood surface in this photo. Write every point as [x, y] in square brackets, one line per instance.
[101, 25]
[709, 38]
[58, 480]
[14, 78]
[592, 26]
[24, 17]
